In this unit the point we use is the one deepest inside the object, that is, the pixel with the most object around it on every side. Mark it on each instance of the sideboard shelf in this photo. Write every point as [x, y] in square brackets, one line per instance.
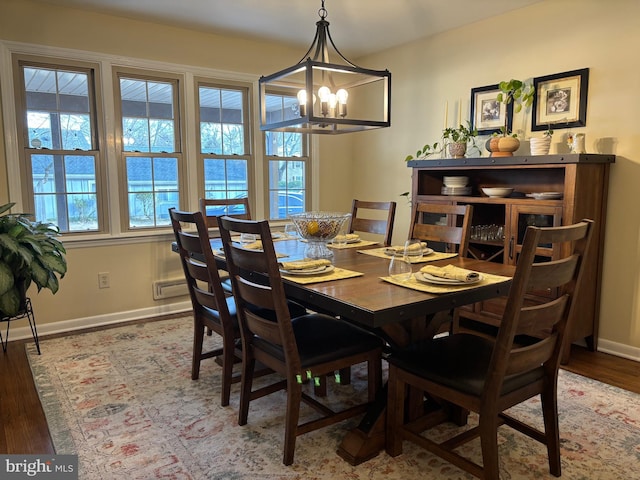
[581, 179]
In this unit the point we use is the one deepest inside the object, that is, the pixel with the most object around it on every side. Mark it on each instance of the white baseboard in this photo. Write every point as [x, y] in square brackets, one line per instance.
[68, 326]
[619, 349]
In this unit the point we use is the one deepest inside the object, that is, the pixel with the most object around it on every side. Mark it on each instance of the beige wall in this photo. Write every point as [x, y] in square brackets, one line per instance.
[546, 38]
[550, 37]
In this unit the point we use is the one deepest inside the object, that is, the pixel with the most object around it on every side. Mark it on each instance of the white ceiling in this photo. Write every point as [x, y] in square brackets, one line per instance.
[358, 27]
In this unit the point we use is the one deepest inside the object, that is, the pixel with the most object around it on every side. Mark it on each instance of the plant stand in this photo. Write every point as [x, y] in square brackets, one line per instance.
[28, 313]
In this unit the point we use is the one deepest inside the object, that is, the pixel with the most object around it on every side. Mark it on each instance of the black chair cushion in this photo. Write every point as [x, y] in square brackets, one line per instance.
[458, 361]
[321, 338]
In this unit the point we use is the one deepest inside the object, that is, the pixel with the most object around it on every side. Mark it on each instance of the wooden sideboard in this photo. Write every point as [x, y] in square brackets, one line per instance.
[580, 179]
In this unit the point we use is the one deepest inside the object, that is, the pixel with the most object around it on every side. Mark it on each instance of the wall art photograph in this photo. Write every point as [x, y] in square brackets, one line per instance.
[560, 100]
[487, 114]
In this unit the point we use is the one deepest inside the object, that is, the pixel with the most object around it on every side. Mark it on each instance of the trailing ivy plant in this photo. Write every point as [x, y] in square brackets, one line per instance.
[29, 252]
[460, 134]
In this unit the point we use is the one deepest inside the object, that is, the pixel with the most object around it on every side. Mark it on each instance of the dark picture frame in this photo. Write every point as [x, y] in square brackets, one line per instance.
[560, 100]
[487, 114]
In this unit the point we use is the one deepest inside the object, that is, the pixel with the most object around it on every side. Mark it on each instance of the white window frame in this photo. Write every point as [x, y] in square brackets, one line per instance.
[113, 233]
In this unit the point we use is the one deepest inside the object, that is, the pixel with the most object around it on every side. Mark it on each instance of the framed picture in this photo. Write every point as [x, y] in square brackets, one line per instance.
[487, 114]
[560, 100]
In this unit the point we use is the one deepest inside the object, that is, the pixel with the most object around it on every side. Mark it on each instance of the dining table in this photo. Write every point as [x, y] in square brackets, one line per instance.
[359, 289]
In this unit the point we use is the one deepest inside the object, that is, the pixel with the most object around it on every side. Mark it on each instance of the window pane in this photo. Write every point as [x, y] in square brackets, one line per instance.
[152, 184]
[222, 123]
[286, 188]
[226, 178]
[58, 109]
[148, 123]
[77, 208]
[287, 172]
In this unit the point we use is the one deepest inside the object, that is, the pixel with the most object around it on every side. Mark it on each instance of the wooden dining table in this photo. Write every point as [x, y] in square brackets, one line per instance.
[400, 314]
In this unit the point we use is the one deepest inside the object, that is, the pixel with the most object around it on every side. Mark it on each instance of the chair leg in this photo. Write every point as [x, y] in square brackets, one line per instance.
[198, 338]
[228, 359]
[248, 366]
[294, 397]
[395, 413]
[488, 423]
[551, 428]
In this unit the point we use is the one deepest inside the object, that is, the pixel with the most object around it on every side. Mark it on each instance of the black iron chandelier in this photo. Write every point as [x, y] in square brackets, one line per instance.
[317, 96]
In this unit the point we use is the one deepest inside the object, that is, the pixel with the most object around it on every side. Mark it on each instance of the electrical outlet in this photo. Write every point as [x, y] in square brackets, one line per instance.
[103, 280]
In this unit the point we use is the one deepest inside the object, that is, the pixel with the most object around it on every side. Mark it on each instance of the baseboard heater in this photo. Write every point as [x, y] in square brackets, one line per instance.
[169, 288]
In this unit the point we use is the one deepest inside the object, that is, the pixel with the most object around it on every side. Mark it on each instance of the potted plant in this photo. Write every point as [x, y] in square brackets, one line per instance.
[541, 146]
[456, 138]
[519, 94]
[29, 252]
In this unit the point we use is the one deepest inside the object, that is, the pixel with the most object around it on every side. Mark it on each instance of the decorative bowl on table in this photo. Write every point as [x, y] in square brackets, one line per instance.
[319, 228]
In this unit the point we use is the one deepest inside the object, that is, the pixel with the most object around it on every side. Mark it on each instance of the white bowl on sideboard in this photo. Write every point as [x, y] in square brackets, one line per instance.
[497, 192]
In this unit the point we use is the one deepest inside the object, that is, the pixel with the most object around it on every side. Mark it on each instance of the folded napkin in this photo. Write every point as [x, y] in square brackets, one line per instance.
[397, 249]
[452, 272]
[257, 245]
[305, 264]
[349, 237]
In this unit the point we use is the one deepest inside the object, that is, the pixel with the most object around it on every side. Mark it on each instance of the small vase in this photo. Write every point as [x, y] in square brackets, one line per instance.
[540, 146]
[457, 150]
[502, 146]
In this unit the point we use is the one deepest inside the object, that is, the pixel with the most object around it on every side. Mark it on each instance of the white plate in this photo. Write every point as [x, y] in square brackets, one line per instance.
[545, 195]
[309, 271]
[393, 253]
[428, 278]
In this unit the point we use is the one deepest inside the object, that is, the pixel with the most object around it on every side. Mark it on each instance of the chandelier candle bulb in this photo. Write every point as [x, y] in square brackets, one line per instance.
[342, 96]
[302, 102]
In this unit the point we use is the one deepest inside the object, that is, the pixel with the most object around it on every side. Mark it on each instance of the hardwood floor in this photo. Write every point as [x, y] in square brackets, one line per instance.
[23, 428]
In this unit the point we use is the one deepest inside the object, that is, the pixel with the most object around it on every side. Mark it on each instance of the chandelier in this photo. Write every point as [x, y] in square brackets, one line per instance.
[318, 96]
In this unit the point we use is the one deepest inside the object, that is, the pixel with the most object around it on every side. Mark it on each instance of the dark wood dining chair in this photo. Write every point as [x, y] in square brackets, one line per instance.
[307, 346]
[213, 308]
[212, 208]
[373, 217]
[447, 225]
[488, 376]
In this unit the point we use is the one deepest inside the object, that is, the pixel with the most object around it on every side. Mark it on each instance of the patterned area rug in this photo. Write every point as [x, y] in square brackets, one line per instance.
[123, 400]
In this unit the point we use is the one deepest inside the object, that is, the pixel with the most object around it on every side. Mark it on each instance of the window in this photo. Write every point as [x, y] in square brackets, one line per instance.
[288, 160]
[59, 143]
[151, 147]
[224, 140]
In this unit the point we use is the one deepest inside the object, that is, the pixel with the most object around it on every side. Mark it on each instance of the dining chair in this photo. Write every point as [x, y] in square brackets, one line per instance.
[306, 346]
[445, 224]
[373, 217]
[212, 208]
[213, 308]
[489, 376]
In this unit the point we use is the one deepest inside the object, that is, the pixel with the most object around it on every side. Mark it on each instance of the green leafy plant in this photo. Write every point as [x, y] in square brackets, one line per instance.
[29, 252]
[461, 134]
[517, 92]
